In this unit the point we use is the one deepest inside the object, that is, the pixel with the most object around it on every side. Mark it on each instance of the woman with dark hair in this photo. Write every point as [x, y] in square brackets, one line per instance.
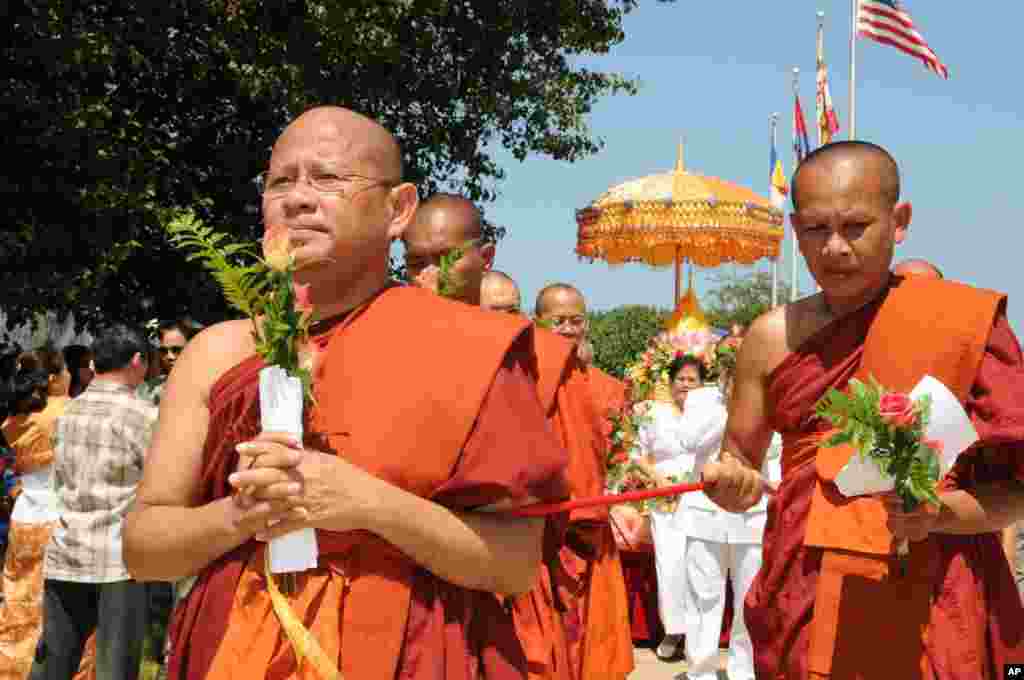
[38, 393]
[79, 362]
[675, 435]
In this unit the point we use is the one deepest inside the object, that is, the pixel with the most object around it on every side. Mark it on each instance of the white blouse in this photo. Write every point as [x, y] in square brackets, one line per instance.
[678, 441]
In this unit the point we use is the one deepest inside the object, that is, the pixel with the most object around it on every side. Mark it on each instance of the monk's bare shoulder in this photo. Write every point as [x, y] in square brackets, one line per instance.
[211, 353]
[764, 345]
[777, 333]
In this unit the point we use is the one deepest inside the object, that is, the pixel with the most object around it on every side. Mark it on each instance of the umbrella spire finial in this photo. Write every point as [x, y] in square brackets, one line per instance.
[680, 166]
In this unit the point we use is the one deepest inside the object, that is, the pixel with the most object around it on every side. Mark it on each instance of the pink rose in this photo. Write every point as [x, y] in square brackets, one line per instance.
[897, 409]
[935, 445]
[302, 303]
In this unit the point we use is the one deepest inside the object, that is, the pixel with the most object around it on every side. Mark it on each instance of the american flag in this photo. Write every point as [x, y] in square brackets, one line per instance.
[886, 21]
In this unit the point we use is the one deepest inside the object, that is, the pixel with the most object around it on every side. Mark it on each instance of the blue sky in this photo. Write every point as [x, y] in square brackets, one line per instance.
[714, 72]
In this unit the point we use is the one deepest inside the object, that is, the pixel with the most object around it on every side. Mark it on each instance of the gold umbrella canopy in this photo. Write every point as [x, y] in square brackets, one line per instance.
[674, 216]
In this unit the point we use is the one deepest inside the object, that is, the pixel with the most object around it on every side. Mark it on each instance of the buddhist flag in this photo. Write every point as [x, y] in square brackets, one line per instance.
[801, 142]
[779, 188]
[828, 121]
[886, 22]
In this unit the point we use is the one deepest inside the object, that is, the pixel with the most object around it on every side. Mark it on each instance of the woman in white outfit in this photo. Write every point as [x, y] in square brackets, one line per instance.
[721, 545]
[676, 435]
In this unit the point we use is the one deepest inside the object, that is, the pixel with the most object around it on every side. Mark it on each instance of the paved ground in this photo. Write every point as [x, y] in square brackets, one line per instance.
[650, 667]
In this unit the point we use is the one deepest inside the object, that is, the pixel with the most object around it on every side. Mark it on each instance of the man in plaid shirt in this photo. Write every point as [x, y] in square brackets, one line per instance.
[99, 445]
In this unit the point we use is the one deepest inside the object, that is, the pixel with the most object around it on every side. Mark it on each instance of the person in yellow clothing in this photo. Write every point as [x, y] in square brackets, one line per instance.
[38, 394]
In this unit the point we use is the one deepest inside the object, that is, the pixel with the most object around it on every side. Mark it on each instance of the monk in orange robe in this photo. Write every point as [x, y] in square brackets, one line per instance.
[830, 600]
[597, 622]
[446, 223]
[405, 452]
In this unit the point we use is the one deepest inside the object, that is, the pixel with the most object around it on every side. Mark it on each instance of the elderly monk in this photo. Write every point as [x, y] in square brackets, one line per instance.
[403, 451]
[499, 293]
[917, 267]
[444, 224]
[830, 596]
[603, 646]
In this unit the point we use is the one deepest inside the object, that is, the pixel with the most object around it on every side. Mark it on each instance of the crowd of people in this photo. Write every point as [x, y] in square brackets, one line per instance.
[76, 425]
[141, 460]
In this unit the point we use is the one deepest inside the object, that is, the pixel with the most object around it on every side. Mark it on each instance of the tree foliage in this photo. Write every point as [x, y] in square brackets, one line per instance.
[118, 110]
[736, 299]
[620, 335]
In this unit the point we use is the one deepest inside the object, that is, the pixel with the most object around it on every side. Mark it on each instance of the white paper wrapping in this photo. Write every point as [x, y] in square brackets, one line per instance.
[949, 424]
[281, 411]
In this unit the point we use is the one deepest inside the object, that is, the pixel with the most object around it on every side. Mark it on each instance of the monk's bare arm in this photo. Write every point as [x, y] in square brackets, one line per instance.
[747, 432]
[986, 508]
[167, 535]
[475, 550]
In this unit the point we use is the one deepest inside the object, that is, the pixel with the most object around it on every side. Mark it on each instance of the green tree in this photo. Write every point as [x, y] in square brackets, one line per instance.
[120, 109]
[740, 299]
[621, 334]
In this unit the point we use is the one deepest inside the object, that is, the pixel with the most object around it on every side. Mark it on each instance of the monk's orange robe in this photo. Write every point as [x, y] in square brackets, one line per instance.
[818, 609]
[538, 614]
[455, 418]
[597, 617]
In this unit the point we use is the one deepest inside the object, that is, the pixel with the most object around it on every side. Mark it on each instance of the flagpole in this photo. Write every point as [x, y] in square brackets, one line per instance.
[820, 107]
[774, 118]
[853, 69]
[793, 294]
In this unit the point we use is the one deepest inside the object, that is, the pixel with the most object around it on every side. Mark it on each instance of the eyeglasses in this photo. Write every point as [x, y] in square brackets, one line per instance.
[556, 321]
[508, 309]
[170, 349]
[275, 184]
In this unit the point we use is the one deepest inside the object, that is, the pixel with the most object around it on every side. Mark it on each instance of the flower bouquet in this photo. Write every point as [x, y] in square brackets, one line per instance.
[264, 290]
[903, 442]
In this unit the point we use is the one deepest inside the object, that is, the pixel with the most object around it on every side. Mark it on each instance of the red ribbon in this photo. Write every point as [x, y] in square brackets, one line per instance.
[541, 509]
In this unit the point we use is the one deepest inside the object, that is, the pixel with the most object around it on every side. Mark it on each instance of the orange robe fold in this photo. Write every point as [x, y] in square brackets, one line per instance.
[827, 599]
[597, 621]
[457, 421]
[537, 615]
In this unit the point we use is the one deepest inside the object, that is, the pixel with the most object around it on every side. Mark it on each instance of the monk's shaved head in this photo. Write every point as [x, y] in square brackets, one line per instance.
[443, 225]
[499, 292]
[917, 267]
[334, 186]
[558, 293]
[876, 160]
[454, 216]
[364, 142]
[561, 307]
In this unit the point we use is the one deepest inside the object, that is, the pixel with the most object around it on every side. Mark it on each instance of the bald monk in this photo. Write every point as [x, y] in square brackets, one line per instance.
[603, 647]
[828, 598]
[568, 399]
[444, 223]
[401, 461]
[917, 267]
[499, 293]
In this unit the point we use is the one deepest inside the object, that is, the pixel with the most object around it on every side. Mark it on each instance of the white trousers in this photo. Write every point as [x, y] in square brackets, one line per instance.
[707, 564]
[670, 564]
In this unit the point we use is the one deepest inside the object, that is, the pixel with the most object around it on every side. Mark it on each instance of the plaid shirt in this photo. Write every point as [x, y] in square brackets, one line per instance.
[100, 442]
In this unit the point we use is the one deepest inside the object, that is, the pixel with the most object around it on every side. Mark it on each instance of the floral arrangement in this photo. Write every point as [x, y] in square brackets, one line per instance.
[887, 428]
[263, 289]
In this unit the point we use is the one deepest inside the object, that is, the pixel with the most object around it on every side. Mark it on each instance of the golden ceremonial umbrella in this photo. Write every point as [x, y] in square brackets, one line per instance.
[674, 216]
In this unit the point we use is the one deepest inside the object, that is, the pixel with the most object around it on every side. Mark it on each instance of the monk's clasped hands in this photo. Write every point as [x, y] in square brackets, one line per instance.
[282, 487]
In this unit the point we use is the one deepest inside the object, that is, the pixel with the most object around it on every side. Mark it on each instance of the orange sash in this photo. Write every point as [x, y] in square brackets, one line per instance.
[924, 327]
